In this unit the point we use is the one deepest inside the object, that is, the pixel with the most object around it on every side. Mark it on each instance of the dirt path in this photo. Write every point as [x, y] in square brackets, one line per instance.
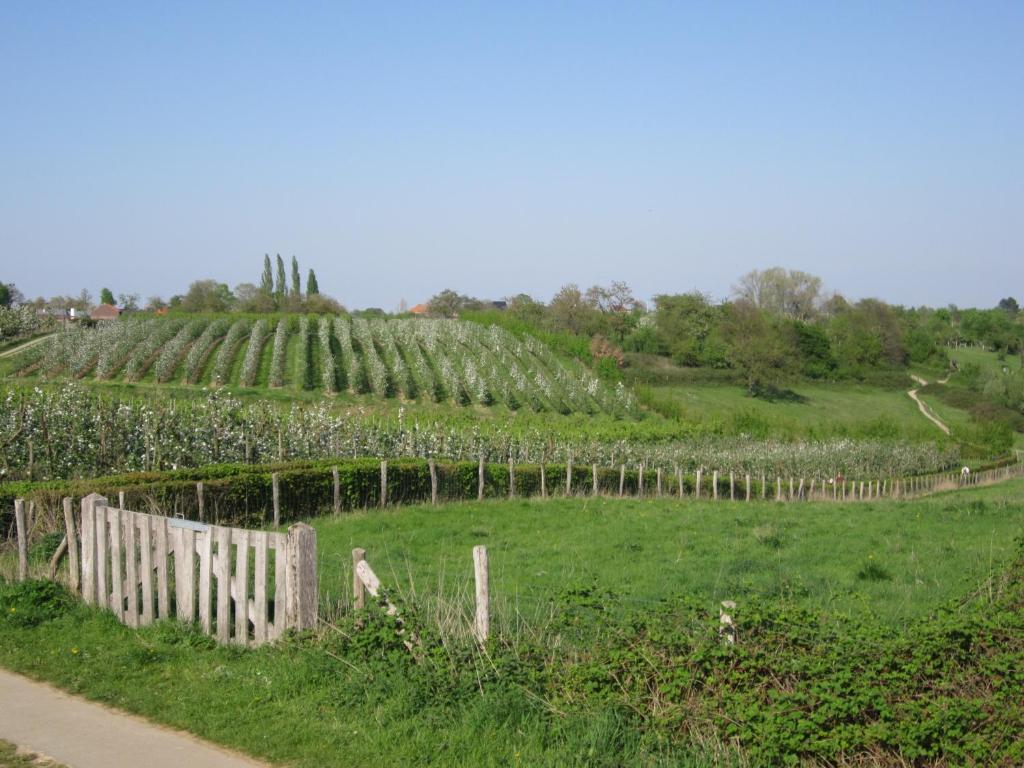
[22, 347]
[924, 408]
[83, 734]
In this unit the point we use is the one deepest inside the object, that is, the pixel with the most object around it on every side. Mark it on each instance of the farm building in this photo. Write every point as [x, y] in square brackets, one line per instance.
[105, 312]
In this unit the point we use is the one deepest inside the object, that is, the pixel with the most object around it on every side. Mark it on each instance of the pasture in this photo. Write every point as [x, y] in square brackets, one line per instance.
[809, 410]
[893, 560]
[606, 650]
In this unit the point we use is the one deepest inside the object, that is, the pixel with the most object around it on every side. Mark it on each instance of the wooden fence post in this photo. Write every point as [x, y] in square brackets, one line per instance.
[511, 478]
[764, 487]
[433, 480]
[714, 484]
[543, 483]
[696, 487]
[19, 520]
[120, 499]
[732, 487]
[384, 483]
[199, 497]
[658, 475]
[483, 597]
[622, 479]
[301, 596]
[358, 590]
[679, 480]
[778, 488]
[276, 487]
[88, 529]
[336, 481]
[594, 471]
[640, 481]
[748, 486]
[568, 476]
[74, 568]
[480, 480]
[790, 487]
[800, 490]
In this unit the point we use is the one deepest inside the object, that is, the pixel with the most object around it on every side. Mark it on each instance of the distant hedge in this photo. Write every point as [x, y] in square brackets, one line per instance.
[241, 494]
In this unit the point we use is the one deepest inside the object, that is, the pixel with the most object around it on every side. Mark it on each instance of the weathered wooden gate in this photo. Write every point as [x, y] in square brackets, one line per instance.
[243, 586]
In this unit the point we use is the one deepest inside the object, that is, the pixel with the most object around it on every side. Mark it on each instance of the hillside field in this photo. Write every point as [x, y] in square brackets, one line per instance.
[431, 361]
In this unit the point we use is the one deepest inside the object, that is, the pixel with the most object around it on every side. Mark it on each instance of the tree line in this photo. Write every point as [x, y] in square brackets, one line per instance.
[777, 325]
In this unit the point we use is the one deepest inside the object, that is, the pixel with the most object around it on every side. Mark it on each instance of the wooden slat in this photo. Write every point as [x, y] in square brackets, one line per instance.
[88, 530]
[280, 544]
[102, 551]
[241, 582]
[223, 573]
[370, 580]
[163, 594]
[302, 586]
[74, 568]
[116, 564]
[145, 523]
[185, 576]
[204, 546]
[259, 619]
[23, 525]
[131, 568]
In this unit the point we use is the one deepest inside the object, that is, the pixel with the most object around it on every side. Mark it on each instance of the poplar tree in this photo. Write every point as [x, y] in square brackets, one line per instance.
[312, 288]
[296, 280]
[267, 281]
[281, 287]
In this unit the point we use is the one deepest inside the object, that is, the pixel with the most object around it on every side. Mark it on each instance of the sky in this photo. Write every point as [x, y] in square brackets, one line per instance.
[503, 148]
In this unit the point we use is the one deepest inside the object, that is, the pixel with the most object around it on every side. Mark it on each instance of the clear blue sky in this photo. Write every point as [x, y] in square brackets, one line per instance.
[514, 147]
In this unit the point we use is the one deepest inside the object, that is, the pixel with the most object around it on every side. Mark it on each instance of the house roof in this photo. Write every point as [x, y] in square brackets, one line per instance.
[420, 309]
[105, 312]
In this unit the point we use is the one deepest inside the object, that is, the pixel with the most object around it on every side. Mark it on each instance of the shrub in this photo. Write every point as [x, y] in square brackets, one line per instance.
[30, 603]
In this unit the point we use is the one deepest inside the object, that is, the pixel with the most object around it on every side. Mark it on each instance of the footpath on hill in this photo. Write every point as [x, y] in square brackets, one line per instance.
[924, 408]
[22, 347]
[83, 734]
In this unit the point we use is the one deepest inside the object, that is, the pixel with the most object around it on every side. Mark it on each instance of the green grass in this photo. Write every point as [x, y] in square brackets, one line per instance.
[352, 694]
[819, 410]
[314, 702]
[987, 361]
[11, 757]
[648, 550]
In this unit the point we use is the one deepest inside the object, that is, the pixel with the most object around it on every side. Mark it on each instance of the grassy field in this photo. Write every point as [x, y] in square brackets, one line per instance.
[896, 561]
[814, 410]
[834, 601]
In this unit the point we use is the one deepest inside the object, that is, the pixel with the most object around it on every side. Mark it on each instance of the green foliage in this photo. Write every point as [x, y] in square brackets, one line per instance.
[267, 278]
[686, 325]
[296, 289]
[106, 296]
[815, 353]
[280, 284]
[31, 603]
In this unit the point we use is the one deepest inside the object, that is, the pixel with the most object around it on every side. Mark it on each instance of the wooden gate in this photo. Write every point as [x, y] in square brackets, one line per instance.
[243, 586]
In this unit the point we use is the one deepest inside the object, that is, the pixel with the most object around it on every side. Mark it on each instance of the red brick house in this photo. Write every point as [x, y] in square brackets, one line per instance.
[105, 312]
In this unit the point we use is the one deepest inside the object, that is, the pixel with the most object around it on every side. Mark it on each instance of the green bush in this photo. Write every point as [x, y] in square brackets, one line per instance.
[30, 603]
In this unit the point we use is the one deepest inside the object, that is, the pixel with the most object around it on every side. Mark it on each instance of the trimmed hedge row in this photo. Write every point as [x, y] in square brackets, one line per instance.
[241, 494]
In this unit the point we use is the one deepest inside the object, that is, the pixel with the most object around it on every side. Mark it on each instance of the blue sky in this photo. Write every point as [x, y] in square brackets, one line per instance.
[514, 147]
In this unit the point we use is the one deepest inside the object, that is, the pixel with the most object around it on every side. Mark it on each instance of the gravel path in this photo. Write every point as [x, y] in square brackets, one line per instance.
[924, 408]
[83, 734]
